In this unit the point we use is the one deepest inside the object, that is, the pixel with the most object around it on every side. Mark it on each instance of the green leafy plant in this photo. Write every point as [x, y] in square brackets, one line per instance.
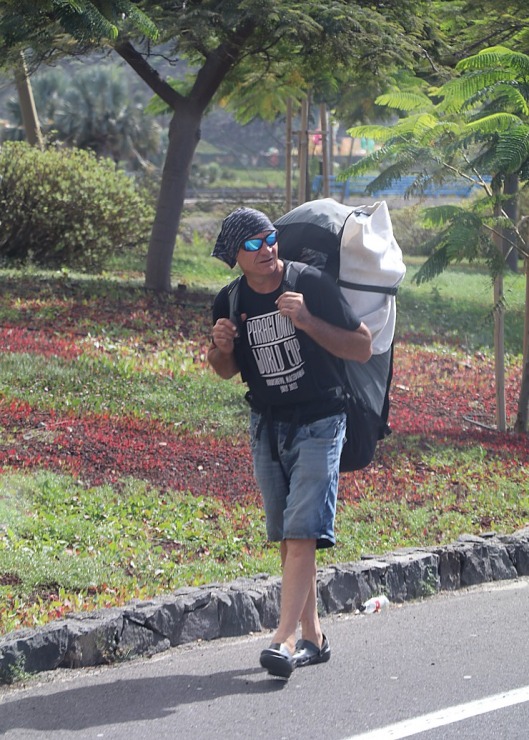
[473, 128]
[65, 207]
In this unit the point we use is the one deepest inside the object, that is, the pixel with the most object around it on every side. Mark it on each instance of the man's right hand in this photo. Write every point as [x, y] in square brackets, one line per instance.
[223, 335]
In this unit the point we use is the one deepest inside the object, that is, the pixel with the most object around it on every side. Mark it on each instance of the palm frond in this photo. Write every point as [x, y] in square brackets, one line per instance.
[84, 21]
[497, 56]
[438, 216]
[413, 126]
[405, 101]
[492, 124]
[373, 131]
[140, 21]
[434, 266]
[512, 149]
[457, 92]
[511, 95]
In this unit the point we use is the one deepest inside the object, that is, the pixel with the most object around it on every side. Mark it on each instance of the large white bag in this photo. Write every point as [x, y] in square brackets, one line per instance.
[371, 269]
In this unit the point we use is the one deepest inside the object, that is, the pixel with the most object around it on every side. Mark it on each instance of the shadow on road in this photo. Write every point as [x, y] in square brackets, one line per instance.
[114, 702]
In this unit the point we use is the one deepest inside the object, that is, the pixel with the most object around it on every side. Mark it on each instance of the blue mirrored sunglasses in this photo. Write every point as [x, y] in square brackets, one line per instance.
[254, 245]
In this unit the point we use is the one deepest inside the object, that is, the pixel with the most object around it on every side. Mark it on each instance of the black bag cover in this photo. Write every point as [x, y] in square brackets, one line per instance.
[312, 233]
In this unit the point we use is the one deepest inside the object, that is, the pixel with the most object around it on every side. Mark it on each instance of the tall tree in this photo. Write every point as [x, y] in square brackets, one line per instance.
[475, 127]
[219, 39]
[28, 111]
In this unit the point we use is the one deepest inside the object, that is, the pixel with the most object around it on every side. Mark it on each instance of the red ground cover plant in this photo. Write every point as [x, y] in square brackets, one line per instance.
[102, 449]
[437, 396]
[441, 398]
[15, 339]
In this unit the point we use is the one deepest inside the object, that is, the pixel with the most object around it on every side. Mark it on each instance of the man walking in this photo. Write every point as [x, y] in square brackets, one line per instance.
[287, 348]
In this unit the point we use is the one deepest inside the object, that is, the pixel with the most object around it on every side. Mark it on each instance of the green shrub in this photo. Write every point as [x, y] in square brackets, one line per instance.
[65, 207]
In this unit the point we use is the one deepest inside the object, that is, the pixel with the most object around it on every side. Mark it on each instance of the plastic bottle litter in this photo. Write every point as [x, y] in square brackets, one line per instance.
[375, 604]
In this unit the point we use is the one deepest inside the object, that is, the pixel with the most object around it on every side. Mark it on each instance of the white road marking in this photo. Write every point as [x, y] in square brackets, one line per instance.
[447, 716]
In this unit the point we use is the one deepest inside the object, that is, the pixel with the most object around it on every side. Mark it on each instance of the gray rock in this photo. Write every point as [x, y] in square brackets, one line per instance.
[32, 651]
[412, 574]
[484, 561]
[450, 561]
[343, 588]
[200, 620]
[163, 617]
[93, 638]
[266, 597]
[238, 615]
[517, 546]
[252, 604]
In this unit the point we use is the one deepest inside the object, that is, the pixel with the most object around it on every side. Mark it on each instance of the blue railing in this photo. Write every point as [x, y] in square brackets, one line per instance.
[357, 186]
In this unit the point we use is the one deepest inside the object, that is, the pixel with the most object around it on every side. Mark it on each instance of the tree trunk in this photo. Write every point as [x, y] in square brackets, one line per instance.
[28, 110]
[303, 152]
[522, 423]
[288, 157]
[184, 135]
[510, 207]
[324, 119]
[499, 335]
[499, 353]
[348, 164]
[522, 416]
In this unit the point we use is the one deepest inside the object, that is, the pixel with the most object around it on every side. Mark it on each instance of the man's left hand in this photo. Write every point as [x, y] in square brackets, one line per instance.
[293, 305]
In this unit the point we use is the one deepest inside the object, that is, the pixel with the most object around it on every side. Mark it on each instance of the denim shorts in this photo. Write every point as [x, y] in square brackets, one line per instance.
[300, 488]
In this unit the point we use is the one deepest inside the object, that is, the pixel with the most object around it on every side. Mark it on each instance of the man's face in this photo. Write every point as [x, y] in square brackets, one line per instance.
[258, 254]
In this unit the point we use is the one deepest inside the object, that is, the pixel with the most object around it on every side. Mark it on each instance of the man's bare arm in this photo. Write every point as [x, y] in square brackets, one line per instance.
[221, 356]
[343, 343]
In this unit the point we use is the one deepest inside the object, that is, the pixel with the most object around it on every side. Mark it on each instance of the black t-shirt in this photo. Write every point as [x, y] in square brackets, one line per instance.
[282, 366]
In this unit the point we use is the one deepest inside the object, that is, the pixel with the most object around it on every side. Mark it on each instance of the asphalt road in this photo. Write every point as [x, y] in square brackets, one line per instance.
[451, 666]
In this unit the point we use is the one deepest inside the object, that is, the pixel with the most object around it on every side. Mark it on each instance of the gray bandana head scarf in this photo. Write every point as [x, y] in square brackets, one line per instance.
[240, 225]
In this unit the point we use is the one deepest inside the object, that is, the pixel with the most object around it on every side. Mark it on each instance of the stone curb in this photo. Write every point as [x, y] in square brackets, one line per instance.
[250, 605]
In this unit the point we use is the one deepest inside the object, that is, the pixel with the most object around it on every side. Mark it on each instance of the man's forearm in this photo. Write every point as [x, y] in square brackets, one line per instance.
[225, 365]
[343, 343]
[348, 345]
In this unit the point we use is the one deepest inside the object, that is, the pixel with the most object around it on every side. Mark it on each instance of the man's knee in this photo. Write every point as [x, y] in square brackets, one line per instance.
[300, 548]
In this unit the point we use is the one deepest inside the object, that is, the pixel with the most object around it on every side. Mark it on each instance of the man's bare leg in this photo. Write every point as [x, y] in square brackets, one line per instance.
[298, 593]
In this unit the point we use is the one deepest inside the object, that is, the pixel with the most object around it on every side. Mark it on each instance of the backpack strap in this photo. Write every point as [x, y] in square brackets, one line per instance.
[368, 288]
[291, 274]
[233, 297]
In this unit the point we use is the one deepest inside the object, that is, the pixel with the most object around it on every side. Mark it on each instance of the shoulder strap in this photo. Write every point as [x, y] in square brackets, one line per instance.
[292, 272]
[367, 288]
[233, 298]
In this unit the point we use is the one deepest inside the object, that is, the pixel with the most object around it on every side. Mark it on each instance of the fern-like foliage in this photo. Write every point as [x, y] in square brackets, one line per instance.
[405, 101]
[439, 216]
[434, 265]
[465, 235]
[493, 124]
[512, 149]
[466, 91]
[252, 93]
[497, 56]
[474, 127]
[84, 20]
[26, 23]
